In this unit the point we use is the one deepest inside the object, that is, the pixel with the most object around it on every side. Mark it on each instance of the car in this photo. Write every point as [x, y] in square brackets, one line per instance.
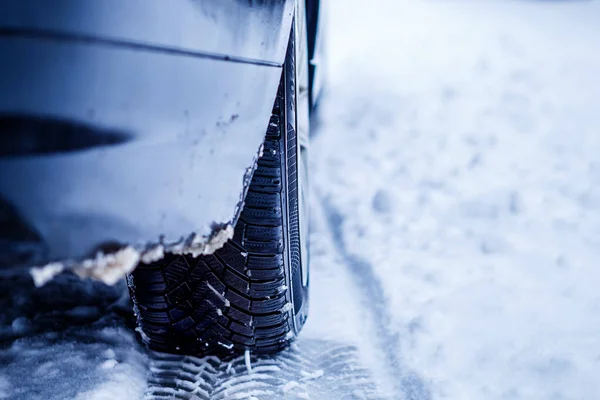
[165, 142]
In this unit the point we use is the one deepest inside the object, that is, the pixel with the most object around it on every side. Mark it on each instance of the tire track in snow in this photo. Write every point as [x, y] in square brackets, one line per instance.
[309, 369]
[407, 384]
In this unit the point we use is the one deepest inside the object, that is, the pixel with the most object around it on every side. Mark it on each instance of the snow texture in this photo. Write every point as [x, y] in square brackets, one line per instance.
[200, 245]
[41, 275]
[459, 155]
[112, 267]
[109, 268]
[455, 228]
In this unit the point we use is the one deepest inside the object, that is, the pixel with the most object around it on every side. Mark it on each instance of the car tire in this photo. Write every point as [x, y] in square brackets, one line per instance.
[252, 294]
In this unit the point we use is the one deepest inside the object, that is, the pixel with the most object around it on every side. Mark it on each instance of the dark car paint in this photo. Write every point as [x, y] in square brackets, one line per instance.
[237, 29]
[186, 89]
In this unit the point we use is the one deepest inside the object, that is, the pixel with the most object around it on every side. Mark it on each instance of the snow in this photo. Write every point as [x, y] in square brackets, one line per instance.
[220, 295]
[307, 376]
[454, 228]
[471, 129]
[89, 353]
[289, 386]
[109, 268]
[41, 275]
[199, 245]
[5, 388]
[286, 307]
[112, 267]
[153, 254]
[247, 361]
[227, 346]
[109, 364]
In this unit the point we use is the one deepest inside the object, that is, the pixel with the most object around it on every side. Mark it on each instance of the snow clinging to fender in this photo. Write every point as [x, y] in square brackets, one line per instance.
[112, 267]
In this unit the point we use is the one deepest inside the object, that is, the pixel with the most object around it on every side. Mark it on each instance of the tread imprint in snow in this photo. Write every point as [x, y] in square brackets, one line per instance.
[317, 367]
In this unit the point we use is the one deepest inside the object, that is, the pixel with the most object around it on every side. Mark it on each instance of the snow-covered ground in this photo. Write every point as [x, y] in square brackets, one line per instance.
[460, 147]
[455, 237]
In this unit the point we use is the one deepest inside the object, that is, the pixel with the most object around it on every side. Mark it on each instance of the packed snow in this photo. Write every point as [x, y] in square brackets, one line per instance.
[455, 228]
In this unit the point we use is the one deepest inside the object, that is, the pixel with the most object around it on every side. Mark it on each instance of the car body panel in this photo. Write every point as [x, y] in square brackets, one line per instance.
[246, 29]
[160, 120]
[191, 127]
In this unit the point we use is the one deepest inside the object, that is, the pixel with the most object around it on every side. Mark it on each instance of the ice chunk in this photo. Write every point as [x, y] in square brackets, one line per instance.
[220, 295]
[287, 307]
[247, 361]
[227, 346]
[109, 268]
[42, 275]
[200, 245]
[154, 254]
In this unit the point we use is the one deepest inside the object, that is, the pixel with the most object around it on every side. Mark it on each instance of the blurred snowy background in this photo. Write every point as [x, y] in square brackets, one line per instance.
[456, 227]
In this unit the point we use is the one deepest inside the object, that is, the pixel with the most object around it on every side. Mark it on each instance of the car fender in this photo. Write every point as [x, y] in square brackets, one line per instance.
[128, 126]
[238, 29]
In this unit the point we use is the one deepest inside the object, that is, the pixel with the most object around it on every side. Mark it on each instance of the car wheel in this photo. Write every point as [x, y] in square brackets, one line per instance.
[252, 294]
